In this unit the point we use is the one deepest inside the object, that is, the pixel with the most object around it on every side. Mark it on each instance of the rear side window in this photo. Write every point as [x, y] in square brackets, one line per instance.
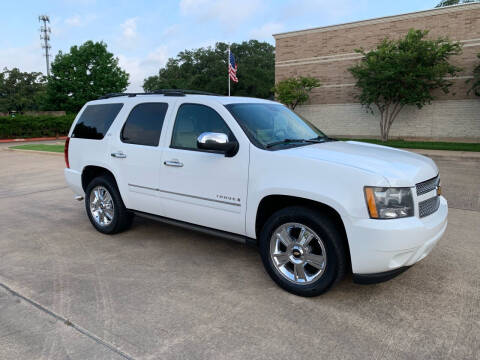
[144, 124]
[95, 121]
[194, 119]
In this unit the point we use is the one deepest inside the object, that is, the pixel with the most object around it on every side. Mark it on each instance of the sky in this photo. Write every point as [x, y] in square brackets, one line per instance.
[144, 34]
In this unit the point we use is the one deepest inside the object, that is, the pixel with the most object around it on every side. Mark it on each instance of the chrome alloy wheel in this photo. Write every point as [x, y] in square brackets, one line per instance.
[101, 206]
[298, 253]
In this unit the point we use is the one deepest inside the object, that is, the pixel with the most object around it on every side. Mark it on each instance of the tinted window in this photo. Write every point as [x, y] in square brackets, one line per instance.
[95, 121]
[194, 119]
[144, 124]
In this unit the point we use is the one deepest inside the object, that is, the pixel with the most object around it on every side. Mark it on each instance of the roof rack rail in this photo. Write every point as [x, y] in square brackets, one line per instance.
[188, 92]
[169, 92]
[165, 92]
[111, 95]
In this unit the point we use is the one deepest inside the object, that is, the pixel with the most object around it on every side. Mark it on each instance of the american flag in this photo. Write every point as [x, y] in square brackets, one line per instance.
[232, 68]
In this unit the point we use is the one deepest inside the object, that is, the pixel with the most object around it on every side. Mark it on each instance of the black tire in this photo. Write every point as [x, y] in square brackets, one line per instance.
[331, 237]
[122, 218]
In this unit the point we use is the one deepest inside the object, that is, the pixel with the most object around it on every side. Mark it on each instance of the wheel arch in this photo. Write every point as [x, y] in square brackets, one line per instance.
[272, 203]
[91, 172]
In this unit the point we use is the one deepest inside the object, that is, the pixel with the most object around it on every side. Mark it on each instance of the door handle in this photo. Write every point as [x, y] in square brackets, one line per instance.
[173, 163]
[118, 155]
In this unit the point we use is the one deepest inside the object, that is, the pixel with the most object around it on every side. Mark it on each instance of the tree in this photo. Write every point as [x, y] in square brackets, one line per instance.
[295, 91]
[21, 91]
[444, 3]
[403, 72]
[206, 69]
[476, 80]
[84, 74]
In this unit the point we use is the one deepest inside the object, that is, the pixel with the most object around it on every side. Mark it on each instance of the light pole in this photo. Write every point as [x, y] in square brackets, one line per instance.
[45, 32]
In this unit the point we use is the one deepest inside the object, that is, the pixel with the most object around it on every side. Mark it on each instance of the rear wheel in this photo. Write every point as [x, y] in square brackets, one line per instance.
[105, 207]
[302, 250]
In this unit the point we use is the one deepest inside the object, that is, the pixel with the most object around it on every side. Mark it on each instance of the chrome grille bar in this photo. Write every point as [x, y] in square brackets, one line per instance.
[427, 185]
[429, 206]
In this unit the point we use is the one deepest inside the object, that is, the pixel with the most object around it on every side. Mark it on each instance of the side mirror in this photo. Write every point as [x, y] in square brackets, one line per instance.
[217, 142]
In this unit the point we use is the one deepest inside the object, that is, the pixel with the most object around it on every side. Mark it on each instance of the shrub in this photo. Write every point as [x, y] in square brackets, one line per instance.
[26, 126]
[476, 79]
[295, 91]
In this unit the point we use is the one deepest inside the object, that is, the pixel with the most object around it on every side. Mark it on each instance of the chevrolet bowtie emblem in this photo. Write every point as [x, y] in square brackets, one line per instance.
[439, 190]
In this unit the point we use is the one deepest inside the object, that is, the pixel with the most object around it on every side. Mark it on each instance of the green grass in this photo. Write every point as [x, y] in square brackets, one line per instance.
[40, 147]
[429, 145]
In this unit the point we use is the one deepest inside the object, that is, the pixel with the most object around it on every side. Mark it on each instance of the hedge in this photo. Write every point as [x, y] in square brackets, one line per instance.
[27, 126]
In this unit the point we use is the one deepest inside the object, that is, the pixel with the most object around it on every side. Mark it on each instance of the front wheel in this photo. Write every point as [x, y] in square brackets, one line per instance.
[302, 251]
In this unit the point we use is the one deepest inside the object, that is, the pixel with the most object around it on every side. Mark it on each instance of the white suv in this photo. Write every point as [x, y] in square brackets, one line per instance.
[253, 171]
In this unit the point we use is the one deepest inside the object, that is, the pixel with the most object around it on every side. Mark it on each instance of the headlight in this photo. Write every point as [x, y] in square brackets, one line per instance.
[389, 203]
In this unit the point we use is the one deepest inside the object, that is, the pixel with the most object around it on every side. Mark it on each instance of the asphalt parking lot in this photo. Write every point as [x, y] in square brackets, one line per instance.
[160, 292]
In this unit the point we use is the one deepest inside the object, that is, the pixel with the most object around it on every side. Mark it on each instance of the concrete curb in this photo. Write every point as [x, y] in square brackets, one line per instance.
[32, 139]
[36, 152]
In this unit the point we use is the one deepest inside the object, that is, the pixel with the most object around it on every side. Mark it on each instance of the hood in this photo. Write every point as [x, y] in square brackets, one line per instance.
[399, 167]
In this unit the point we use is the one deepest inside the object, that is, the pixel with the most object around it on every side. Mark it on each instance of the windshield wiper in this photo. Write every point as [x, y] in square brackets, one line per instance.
[288, 141]
[324, 139]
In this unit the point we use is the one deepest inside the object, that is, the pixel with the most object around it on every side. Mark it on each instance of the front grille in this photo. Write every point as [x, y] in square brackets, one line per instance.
[429, 206]
[427, 185]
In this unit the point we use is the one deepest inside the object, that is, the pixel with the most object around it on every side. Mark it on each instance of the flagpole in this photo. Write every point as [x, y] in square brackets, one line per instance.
[228, 70]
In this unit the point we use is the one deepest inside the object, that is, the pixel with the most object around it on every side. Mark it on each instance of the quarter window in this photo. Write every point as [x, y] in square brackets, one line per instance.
[194, 119]
[95, 121]
[144, 124]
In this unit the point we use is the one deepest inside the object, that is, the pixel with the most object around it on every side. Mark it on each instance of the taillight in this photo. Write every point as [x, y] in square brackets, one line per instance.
[65, 151]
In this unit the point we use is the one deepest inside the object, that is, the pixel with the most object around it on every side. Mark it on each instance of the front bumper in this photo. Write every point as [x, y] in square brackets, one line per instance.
[367, 279]
[379, 246]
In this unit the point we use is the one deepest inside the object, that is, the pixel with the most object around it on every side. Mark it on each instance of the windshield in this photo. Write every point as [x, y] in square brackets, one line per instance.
[273, 124]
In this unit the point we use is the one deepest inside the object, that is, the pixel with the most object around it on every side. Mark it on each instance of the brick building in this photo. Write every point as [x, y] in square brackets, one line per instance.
[327, 52]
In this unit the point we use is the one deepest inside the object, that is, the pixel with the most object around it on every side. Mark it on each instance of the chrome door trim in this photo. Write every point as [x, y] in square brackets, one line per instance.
[186, 195]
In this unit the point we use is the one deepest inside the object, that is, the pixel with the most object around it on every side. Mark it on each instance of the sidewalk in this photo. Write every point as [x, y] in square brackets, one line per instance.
[471, 155]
